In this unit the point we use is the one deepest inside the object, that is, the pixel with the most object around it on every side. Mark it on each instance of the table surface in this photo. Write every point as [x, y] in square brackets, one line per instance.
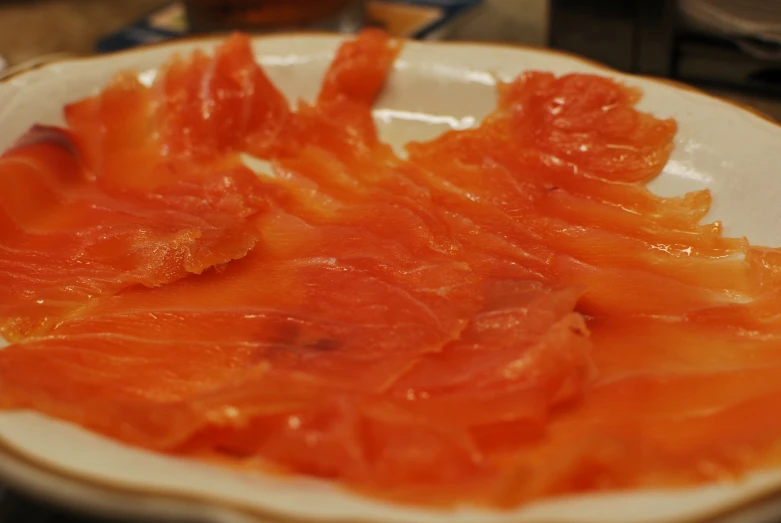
[31, 28]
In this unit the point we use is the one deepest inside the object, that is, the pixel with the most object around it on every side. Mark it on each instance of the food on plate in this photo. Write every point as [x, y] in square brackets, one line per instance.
[132, 192]
[502, 314]
[66, 238]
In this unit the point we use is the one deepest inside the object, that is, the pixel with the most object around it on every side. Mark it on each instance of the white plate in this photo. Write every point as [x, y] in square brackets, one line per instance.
[733, 152]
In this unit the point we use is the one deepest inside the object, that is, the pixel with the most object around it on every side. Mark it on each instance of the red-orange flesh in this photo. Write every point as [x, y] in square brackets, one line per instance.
[505, 315]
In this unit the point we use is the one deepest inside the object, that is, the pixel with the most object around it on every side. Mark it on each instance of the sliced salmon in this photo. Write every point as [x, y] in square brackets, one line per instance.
[505, 315]
[67, 240]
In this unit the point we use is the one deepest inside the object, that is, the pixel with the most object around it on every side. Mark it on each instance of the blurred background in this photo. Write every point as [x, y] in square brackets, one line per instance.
[731, 48]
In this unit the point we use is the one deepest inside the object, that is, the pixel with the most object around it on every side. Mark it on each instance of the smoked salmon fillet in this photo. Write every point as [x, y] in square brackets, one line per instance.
[65, 240]
[138, 190]
[504, 314]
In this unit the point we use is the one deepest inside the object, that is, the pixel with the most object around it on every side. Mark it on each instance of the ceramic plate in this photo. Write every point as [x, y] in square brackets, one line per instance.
[435, 86]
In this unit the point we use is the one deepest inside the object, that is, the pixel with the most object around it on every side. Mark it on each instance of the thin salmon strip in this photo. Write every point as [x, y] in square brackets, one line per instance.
[139, 190]
[532, 173]
[67, 240]
[196, 111]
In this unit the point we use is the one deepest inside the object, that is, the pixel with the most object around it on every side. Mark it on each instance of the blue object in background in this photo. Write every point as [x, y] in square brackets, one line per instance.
[170, 22]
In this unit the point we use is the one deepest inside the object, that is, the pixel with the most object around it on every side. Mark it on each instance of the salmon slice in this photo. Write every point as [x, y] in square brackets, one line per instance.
[483, 377]
[588, 122]
[330, 149]
[354, 81]
[425, 438]
[67, 240]
[543, 171]
[144, 187]
[197, 111]
[351, 85]
[333, 307]
[662, 431]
